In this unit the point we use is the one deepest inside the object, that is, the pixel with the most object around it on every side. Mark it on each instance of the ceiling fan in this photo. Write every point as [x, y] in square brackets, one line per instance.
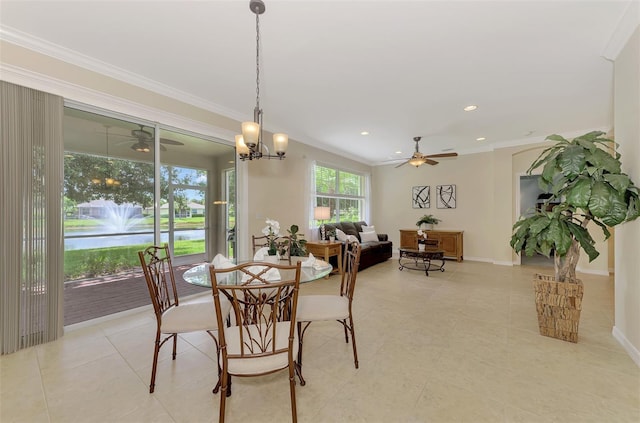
[143, 140]
[418, 159]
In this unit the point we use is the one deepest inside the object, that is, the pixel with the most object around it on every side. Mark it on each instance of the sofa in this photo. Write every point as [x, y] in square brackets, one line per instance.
[373, 252]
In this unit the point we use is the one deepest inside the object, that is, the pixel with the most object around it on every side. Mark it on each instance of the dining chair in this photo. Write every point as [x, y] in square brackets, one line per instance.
[314, 308]
[173, 317]
[282, 244]
[261, 338]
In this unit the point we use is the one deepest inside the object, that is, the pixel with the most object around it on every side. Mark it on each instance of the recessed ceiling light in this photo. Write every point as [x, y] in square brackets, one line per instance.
[470, 108]
[364, 133]
[480, 139]
[398, 152]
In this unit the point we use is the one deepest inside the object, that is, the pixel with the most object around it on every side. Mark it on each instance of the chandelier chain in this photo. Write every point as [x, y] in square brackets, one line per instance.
[258, 61]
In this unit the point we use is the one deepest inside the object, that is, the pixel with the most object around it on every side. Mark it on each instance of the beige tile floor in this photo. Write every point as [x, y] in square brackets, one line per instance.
[458, 346]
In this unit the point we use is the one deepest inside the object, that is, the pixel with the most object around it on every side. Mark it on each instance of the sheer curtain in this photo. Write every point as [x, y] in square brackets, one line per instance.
[31, 251]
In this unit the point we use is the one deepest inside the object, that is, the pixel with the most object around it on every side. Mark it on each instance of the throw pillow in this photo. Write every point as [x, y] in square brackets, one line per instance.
[341, 235]
[368, 236]
[368, 228]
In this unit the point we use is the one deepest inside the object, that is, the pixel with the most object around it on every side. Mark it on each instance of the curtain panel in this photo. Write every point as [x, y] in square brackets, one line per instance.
[32, 251]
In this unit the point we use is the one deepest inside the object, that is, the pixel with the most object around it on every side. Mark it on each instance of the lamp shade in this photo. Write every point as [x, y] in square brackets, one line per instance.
[280, 143]
[321, 213]
[250, 133]
[241, 147]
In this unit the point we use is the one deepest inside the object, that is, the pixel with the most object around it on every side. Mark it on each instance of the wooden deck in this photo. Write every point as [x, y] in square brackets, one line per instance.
[97, 297]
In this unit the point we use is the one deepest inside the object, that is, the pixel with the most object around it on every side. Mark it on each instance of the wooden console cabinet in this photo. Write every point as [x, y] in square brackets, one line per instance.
[449, 241]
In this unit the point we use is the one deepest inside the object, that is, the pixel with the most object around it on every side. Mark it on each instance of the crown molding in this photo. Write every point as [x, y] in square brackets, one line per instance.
[74, 94]
[625, 28]
[73, 57]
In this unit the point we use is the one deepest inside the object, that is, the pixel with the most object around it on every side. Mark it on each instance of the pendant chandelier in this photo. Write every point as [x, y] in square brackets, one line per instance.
[108, 181]
[249, 144]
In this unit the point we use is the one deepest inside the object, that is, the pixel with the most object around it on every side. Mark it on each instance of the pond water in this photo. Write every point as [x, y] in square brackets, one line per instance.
[104, 240]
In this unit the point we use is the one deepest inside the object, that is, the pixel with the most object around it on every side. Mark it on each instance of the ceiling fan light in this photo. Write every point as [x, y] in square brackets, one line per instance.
[416, 161]
[250, 133]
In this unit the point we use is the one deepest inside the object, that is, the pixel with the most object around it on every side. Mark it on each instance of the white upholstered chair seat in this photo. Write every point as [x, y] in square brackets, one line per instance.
[258, 365]
[192, 317]
[313, 308]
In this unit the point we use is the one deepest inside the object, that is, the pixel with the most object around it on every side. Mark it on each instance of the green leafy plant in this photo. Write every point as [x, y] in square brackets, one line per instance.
[298, 245]
[428, 219]
[584, 176]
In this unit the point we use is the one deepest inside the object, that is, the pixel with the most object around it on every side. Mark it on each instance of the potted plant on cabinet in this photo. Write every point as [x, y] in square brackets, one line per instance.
[428, 220]
[584, 177]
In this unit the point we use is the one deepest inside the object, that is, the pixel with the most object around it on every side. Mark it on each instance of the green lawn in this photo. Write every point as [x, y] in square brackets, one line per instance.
[79, 264]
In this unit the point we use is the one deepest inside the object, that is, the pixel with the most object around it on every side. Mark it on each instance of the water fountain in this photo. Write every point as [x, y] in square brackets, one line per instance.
[120, 218]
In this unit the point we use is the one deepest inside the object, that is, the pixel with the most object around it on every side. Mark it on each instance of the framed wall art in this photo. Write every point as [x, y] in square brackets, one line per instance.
[446, 196]
[420, 197]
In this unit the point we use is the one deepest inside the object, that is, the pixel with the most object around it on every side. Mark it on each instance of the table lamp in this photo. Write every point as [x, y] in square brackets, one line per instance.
[321, 214]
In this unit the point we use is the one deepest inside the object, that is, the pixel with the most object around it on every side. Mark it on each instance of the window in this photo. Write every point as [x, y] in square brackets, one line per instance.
[342, 191]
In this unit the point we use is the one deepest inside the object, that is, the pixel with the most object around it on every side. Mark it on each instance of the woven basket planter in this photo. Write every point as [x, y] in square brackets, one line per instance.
[558, 305]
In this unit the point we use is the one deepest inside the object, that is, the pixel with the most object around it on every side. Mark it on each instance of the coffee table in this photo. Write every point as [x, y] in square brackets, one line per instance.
[421, 259]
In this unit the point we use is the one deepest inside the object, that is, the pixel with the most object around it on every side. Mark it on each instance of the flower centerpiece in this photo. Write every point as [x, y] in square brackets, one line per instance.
[272, 231]
[422, 236]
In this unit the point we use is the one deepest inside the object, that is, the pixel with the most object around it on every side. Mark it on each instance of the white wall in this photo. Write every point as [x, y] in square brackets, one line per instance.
[627, 241]
[474, 200]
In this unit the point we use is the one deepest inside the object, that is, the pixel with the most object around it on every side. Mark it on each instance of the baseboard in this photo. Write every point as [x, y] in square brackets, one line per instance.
[482, 259]
[503, 263]
[593, 272]
[628, 346]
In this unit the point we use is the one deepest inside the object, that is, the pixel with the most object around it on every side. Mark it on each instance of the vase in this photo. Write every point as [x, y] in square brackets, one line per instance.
[272, 259]
[558, 305]
[421, 246]
[332, 238]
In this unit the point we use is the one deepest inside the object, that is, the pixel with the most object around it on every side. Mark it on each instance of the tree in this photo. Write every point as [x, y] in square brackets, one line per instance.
[585, 178]
[84, 180]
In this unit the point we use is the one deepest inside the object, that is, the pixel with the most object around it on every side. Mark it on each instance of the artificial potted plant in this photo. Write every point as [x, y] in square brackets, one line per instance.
[585, 179]
[428, 220]
[298, 243]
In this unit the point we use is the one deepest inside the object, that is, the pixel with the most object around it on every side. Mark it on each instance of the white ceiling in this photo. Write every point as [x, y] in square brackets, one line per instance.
[332, 69]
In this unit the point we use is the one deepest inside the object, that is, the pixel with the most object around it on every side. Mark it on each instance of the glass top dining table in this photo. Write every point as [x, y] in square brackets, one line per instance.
[199, 274]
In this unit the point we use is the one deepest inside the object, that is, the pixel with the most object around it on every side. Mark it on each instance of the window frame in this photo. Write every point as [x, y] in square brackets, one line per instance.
[316, 197]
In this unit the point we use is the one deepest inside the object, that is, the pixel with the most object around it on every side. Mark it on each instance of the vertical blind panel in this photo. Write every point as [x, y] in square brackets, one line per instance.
[32, 256]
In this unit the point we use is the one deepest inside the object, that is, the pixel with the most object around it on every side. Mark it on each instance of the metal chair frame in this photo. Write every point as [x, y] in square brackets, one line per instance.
[259, 307]
[347, 289]
[282, 245]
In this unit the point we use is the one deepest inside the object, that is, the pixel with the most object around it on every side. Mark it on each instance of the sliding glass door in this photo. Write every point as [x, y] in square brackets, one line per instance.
[129, 184]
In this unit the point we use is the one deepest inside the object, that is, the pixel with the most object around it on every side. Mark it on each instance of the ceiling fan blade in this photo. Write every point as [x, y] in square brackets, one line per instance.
[443, 155]
[170, 142]
[431, 162]
[402, 164]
